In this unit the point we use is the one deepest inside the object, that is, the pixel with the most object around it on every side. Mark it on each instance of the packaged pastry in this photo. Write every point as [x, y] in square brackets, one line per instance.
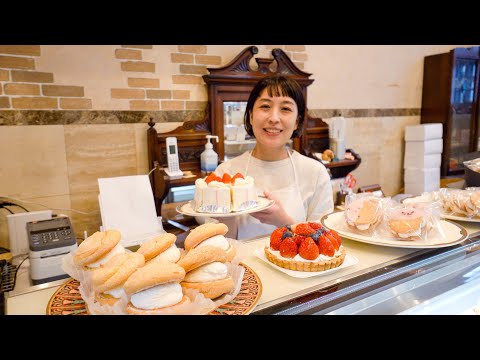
[410, 222]
[363, 212]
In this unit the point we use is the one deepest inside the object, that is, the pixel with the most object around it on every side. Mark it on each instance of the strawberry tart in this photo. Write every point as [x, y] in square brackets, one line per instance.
[215, 194]
[305, 247]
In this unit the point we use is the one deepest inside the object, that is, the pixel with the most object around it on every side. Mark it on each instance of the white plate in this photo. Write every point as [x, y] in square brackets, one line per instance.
[454, 234]
[348, 261]
[187, 209]
[460, 218]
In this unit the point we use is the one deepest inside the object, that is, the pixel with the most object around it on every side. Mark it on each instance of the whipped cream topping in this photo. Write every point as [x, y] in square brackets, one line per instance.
[158, 296]
[118, 249]
[299, 258]
[117, 292]
[217, 184]
[172, 254]
[201, 183]
[248, 180]
[209, 272]
[217, 241]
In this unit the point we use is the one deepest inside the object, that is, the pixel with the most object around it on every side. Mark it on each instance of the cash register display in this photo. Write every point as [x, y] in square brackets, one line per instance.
[50, 234]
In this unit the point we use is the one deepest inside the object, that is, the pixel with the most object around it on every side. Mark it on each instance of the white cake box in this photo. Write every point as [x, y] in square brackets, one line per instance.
[423, 132]
[422, 161]
[419, 188]
[419, 148]
[422, 176]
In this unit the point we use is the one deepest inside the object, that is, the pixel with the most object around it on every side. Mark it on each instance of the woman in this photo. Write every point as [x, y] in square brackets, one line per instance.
[300, 186]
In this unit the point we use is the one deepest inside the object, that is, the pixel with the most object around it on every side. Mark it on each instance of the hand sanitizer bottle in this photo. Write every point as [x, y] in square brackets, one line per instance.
[208, 158]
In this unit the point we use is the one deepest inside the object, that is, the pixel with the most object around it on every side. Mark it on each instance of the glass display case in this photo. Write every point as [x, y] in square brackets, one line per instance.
[430, 281]
[450, 96]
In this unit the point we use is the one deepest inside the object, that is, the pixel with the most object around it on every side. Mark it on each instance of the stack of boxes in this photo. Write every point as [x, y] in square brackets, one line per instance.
[423, 156]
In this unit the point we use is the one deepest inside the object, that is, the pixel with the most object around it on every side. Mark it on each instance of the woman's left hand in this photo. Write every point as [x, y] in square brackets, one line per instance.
[275, 214]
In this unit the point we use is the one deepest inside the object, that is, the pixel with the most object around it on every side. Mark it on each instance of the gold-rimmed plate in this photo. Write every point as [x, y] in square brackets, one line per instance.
[460, 218]
[453, 234]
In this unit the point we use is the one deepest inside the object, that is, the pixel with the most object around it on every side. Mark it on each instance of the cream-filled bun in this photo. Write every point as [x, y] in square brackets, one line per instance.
[98, 248]
[154, 288]
[160, 248]
[211, 289]
[206, 271]
[108, 280]
[210, 234]
[202, 255]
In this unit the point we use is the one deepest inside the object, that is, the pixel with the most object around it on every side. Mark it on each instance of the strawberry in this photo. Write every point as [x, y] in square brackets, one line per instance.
[226, 179]
[315, 226]
[325, 246]
[308, 249]
[236, 176]
[299, 239]
[303, 229]
[332, 239]
[211, 177]
[276, 238]
[335, 234]
[288, 248]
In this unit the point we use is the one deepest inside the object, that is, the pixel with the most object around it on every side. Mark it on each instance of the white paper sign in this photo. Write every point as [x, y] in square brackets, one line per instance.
[127, 204]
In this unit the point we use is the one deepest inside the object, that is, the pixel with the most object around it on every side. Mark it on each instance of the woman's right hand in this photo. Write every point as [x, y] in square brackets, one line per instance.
[275, 214]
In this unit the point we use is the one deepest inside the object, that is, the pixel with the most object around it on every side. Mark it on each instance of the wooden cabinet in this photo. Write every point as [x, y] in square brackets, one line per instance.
[231, 85]
[450, 96]
[228, 90]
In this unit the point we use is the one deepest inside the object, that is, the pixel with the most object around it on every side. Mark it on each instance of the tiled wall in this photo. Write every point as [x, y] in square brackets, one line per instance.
[72, 114]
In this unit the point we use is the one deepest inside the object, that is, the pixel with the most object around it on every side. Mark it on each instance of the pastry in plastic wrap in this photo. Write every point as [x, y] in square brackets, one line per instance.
[406, 222]
[363, 211]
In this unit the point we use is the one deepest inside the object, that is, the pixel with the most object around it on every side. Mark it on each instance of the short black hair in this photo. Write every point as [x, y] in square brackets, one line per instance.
[278, 85]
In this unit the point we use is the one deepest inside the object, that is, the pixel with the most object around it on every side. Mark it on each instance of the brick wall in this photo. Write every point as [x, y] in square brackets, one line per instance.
[23, 86]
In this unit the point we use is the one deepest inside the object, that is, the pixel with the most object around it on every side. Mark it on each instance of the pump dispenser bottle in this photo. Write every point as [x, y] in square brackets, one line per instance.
[208, 158]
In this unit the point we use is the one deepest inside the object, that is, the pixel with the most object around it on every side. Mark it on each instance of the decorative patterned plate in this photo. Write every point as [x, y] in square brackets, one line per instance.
[68, 301]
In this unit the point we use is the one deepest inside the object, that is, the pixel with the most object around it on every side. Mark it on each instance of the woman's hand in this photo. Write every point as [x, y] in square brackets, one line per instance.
[275, 214]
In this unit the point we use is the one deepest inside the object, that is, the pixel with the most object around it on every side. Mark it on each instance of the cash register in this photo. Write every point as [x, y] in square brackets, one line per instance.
[49, 241]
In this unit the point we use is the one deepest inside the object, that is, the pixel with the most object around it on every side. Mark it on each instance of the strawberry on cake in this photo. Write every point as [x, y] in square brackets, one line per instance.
[305, 247]
[215, 194]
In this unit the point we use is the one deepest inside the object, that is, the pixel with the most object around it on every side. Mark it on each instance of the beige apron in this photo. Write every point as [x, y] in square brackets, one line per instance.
[291, 199]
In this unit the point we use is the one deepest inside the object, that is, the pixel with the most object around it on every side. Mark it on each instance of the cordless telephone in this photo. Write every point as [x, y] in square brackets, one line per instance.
[173, 169]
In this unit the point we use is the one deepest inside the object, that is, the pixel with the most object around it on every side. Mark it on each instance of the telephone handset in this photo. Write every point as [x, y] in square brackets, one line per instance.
[173, 169]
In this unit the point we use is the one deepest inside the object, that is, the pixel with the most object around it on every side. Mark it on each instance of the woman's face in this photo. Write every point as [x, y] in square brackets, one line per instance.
[273, 119]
